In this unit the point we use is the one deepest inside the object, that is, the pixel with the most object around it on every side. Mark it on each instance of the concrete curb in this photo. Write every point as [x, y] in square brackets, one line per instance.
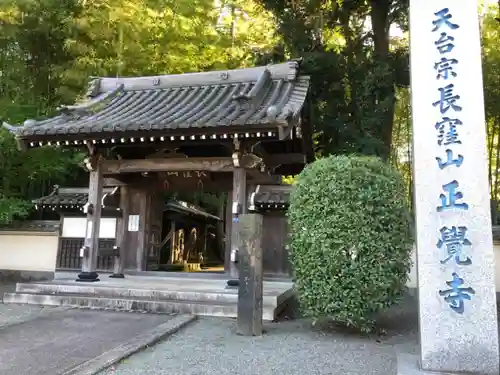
[113, 356]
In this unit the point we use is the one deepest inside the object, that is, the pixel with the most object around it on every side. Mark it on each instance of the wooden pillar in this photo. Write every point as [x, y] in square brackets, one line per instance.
[250, 268]
[173, 241]
[93, 210]
[238, 207]
[220, 230]
[136, 229]
[142, 235]
[132, 228]
[153, 230]
[227, 232]
[204, 243]
[122, 242]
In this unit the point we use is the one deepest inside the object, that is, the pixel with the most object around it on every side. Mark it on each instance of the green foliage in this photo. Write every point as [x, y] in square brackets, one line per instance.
[150, 37]
[27, 175]
[401, 152]
[353, 69]
[491, 72]
[350, 239]
[49, 48]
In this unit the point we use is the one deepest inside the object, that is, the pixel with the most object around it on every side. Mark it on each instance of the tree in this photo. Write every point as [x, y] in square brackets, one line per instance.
[33, 54]
[354, 68]
[28, 174]
[49, 48]
[491, 72]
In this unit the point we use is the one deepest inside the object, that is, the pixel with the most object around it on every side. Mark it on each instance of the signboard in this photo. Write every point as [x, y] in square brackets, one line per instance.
[188, 174]
[453, 224]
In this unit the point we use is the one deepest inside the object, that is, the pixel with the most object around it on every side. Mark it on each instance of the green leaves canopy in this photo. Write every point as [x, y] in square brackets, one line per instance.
[49, 48]
[354, 66]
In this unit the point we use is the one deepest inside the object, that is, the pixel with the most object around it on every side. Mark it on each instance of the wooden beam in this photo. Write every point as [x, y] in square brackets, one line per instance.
[210, 164]
[129, 179]
[273, 160]
[262, 178]
[258, 148]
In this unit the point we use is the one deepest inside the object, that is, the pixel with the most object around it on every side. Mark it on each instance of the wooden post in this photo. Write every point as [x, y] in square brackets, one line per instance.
[238, 207]
[93, 210]
[220, 230]
[133, 220]
[204, 244]
[173, 241]
[122, 242]
[250, 268]
[227, 231]
[155, 227]
[143, 231]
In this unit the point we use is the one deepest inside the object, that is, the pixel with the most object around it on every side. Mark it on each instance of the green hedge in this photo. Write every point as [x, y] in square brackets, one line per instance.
[350, 239]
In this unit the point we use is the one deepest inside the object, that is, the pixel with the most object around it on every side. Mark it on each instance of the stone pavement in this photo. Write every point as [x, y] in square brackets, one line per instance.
[211, 347]
[50, 341]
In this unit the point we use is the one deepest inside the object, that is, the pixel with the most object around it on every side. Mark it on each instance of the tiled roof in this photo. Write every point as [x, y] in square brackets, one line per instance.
[188, 209]
[78, 197]
[67, 197]
[258, 98]
[33, 226]
[270, 197]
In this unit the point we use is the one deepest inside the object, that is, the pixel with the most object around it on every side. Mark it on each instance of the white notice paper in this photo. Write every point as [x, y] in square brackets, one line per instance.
[133, 223]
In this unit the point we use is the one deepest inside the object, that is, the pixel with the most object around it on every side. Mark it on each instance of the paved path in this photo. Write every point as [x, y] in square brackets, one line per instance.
[38, 341]
[211, 347]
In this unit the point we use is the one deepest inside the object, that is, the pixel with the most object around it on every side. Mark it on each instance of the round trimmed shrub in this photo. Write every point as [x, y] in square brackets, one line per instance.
[350, 239]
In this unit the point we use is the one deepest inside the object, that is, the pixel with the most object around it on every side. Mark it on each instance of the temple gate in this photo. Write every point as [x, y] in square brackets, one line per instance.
[215, 131]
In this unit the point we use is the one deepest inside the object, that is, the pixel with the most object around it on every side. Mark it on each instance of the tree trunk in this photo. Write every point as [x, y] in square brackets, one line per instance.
[379, 16]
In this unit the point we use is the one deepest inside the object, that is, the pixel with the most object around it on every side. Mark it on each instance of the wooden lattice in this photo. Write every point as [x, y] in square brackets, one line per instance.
[68, 256]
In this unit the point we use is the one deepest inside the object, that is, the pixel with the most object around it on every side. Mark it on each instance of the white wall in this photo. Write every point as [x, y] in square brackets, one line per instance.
[74, 227]
[412, 281]
[28, 251]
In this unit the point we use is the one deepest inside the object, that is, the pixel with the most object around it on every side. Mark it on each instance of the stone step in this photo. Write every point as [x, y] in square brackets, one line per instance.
[215, 309]
[215, 296]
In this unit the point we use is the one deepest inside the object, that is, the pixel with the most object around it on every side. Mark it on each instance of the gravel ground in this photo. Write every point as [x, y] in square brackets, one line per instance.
[210, 346]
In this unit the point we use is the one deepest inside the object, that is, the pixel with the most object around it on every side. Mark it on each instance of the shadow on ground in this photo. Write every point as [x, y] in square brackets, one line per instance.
[398, 320]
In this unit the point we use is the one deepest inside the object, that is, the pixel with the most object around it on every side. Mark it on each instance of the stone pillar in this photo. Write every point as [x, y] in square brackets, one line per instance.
[456, 264]
[93, 210]
[250, 268]
[122, 242]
